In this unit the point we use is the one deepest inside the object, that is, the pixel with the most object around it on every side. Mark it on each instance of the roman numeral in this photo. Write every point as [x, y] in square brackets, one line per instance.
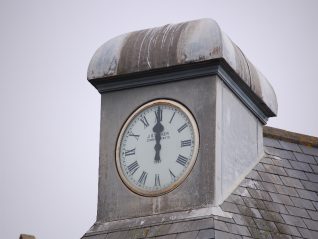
[143, 178]
[144, 120]
[173, 177]
[182, 127]
[172, 117]
[130, 152]
[157, 180]
[158, 114]
[132, 168]
[185, 143]
[182, 160]
[134, 135]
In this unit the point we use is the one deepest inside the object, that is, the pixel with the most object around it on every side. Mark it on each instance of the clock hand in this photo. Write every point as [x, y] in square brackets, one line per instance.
[157, 129]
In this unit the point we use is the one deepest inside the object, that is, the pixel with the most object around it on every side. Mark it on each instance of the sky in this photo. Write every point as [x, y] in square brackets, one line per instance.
[50, 114]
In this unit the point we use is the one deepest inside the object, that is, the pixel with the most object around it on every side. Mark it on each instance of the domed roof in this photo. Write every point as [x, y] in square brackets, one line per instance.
[178, 44]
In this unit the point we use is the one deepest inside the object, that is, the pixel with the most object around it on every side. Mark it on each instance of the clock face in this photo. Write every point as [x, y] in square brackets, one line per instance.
[157, 147]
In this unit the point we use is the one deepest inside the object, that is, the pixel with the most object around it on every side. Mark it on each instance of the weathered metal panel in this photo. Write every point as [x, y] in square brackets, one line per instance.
[268, 94]
[236, 59]
[196, 45]
[255, 82]
[176, 44]
[150, 49]
[106, 58]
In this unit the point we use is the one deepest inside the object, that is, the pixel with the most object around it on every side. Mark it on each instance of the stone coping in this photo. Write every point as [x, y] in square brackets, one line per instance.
[291, 137]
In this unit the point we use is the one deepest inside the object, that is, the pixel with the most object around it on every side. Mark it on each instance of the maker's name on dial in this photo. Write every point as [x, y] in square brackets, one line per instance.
[164, 135]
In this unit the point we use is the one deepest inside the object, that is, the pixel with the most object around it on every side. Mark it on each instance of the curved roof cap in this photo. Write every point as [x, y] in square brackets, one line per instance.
[177, 44]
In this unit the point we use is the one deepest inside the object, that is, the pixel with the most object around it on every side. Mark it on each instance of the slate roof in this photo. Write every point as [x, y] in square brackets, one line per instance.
[278, 199]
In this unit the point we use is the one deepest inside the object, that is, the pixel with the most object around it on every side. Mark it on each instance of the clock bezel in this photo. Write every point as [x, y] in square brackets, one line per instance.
[181, 179]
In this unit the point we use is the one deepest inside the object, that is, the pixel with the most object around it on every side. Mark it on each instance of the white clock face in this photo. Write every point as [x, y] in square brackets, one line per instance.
[157, 147]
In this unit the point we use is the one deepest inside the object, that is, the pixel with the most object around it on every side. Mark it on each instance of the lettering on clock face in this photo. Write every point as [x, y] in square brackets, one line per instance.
[157, 147]
[185, 143]
[172, 117]
[130, 152]
[134, 135]
[133, 167]
[157, 180]
[142, 179]
[158, 114]
[144, 120]
[182, 160]
[182, 127]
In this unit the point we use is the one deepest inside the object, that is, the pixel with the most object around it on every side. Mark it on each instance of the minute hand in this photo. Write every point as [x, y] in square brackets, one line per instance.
[157, 129]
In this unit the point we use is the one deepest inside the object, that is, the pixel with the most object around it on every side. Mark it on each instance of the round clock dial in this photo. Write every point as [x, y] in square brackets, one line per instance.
[157, 147]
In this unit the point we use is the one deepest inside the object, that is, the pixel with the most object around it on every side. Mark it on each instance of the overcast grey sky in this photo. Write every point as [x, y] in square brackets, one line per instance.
[49, 124]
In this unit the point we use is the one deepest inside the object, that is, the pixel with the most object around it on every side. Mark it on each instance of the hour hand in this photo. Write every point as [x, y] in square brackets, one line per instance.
[157, 129]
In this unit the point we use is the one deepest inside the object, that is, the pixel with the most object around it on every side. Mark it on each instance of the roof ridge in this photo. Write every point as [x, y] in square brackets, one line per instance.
[289, 136]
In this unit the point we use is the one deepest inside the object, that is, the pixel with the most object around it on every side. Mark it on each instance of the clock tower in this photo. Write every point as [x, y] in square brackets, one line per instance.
[182, 115]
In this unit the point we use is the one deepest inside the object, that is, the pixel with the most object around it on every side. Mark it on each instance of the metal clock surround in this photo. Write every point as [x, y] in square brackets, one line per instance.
[133, 119]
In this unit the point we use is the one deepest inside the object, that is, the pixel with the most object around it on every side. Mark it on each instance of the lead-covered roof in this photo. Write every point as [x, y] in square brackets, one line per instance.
[177, 44]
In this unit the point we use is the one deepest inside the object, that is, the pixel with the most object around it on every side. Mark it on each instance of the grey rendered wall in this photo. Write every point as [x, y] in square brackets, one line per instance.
[240, 141]
[115, 200]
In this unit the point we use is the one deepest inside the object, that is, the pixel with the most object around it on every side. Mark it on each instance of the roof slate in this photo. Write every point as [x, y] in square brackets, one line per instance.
[278, 199]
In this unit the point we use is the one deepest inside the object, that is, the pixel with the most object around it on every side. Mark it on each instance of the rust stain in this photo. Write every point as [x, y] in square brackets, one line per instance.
[216, 51]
